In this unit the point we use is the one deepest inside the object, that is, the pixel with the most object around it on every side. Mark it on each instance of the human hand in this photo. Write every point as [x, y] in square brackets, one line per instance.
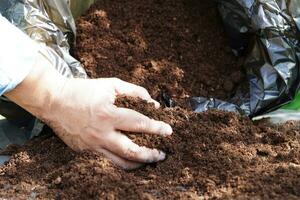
[85, 117]
[82, 113]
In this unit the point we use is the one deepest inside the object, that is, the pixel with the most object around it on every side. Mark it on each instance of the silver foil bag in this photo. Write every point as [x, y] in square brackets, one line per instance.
[51, 24]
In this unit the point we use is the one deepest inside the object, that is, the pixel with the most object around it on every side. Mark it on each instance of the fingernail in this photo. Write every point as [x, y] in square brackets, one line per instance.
[162, 155]
[156, 104]
[166, 129]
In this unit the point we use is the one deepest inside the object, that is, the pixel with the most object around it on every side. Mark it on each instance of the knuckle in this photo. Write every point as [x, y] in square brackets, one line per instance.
[131, 153]
[141, 125]
[142, 154]
[93, 137]
[106, 112]
[117, 119]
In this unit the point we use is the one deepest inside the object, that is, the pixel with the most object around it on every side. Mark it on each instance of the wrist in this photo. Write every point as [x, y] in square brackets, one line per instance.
[39, 90]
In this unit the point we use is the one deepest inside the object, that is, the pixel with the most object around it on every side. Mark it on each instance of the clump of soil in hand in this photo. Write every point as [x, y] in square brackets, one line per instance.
[176, 46]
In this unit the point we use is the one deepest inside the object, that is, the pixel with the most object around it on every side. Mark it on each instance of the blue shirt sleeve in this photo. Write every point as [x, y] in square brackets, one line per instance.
[18, 53]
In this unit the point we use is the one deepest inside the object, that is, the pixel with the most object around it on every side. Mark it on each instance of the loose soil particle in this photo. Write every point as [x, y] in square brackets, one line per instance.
[177, 46]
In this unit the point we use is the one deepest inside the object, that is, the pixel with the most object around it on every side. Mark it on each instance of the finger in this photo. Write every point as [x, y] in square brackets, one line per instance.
[122, 146]
[130, 120]
[123, 163]
[129, 89]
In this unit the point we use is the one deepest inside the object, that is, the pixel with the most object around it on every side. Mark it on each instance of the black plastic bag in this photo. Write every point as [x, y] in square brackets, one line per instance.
[267, 31]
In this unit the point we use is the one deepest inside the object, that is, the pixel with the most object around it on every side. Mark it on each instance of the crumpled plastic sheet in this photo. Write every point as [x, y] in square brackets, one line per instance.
[267, 33]
[201, 104]
[51, 24]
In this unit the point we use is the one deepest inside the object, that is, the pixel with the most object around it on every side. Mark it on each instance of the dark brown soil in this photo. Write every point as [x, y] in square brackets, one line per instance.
[210, 155]
[177, 46]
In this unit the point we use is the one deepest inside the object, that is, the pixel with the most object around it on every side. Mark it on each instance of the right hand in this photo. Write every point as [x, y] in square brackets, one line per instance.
[82, 113]
[85, 117]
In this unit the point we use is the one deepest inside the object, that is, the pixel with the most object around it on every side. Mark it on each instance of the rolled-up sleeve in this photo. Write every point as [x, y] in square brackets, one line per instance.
[17, 55]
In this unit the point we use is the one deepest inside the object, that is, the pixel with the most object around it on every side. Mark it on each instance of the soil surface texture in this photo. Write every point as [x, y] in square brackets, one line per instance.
[175, 46]
[178, 47]
[212, 155]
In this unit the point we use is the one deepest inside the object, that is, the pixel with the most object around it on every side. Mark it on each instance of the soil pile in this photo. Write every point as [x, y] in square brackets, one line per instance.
[177, 46]
[210, 155]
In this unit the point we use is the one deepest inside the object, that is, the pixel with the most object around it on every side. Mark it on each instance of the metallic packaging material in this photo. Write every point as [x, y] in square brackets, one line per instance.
[267, 32]
[51, 24]
[201, 104]
[78, 7]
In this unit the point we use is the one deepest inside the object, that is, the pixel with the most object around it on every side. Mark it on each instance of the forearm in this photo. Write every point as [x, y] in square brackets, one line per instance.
[82, 113]
[37, 92]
